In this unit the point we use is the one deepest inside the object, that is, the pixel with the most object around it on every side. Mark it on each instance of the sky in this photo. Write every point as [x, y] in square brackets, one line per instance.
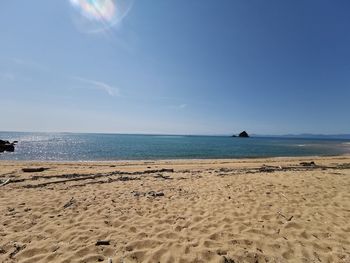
[175, 67]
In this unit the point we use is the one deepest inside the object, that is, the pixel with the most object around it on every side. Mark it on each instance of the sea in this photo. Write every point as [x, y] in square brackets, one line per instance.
[110, 147]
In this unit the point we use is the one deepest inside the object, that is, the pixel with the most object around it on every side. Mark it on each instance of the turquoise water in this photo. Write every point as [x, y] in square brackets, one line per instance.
[89, 147]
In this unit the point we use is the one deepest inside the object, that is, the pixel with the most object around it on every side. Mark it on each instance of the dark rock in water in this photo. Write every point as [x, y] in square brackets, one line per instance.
[234, 135]
[243, 134]
[6, 146]
[3, 142]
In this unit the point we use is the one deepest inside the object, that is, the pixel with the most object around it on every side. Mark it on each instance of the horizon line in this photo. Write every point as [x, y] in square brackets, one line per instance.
[189, 134]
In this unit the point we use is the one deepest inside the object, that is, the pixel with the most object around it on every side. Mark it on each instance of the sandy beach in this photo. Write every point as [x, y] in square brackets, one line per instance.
[244, 210]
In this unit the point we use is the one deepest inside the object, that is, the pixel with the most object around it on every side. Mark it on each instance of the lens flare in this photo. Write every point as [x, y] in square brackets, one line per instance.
[99, 15]
[96, 9]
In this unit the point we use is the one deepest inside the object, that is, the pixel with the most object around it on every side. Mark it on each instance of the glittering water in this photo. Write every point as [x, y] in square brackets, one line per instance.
[74, 147]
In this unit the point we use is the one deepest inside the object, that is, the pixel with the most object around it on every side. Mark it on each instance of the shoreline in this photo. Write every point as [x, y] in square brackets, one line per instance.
[217, 210]
[180, 159]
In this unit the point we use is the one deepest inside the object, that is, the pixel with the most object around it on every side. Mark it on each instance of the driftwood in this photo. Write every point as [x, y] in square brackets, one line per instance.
[5, 182]
[76, 175]
[18, 248]
[228, 260]
[102, 243]
[155, 194]
[34, 170]
[165, 177]
[159, 173]
[303, 166]
[58, 182]
[150, 194]
[343, 166]
[110, 180]
[308, 164]
[288, 219]
[81, 177]
[227, 172]
[121, 178]
[70, 202]
[269, 168]
[164, 170]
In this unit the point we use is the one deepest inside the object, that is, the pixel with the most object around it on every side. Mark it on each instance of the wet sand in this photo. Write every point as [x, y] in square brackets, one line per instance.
[246, 210]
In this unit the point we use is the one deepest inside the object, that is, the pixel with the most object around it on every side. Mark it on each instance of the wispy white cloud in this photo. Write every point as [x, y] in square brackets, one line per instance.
[98, 85]
[29, 64]
[179, 107]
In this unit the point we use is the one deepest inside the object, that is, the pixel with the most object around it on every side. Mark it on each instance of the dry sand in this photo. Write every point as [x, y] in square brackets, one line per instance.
[202, 211]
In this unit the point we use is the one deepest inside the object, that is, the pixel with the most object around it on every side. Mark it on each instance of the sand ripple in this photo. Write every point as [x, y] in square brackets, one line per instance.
[210, 211]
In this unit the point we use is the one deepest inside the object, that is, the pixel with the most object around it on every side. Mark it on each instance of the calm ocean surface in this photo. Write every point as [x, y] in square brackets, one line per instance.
[91, 147]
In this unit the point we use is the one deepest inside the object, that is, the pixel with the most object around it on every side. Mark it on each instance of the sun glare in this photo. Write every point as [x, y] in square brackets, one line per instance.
[99, 15]
[96, 9]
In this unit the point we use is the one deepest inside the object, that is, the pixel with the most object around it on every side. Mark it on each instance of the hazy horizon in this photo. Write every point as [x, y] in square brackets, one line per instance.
[175, 67]
[294, 135]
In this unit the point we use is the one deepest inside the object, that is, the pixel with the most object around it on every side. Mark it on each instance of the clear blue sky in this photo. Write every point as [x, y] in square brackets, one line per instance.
[179, 67]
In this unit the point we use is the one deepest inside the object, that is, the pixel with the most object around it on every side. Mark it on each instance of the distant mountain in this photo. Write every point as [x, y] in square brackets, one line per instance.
[307, 136]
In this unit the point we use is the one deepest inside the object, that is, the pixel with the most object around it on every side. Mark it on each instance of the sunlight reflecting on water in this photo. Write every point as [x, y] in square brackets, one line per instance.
[95, 147]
